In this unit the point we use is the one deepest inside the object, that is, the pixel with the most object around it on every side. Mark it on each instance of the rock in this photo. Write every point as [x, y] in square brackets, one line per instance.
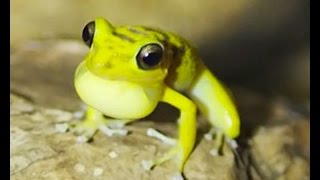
[282, 150]
[38, 151]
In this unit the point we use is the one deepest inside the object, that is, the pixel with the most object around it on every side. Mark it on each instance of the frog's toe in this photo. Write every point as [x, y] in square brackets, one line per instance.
[176, 154]
[233, 143]
[211, 134]
[113, 131]
[217, 150]
[218, 137]
[172, 154]
[156, 134]
[177, 176]
[83, 130]
[149, 164]
[214, 152]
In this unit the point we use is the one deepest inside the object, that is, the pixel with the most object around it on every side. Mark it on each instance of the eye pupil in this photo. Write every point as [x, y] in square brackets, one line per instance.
[88, 33]
[149, 56]
[152, 59]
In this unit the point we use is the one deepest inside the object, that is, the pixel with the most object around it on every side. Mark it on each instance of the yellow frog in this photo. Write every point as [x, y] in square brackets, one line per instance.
[130, 69]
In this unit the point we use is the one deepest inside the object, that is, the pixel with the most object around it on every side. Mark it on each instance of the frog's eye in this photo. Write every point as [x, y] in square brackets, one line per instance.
[88, 33]
[149, 56]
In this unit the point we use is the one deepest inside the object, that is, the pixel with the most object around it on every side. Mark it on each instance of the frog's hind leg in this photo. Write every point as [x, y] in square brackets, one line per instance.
[215, 102]
[216, 105]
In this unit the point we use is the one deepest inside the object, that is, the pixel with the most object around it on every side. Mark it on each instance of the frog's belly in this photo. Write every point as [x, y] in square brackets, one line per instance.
[117, 99]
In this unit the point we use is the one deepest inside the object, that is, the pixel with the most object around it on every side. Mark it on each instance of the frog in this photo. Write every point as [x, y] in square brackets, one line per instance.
[129, 70]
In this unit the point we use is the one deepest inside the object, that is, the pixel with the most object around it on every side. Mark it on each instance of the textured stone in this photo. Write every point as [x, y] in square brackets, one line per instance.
[38, 151]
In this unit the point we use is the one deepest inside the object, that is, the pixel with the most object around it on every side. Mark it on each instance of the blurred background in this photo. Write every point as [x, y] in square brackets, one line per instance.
[260, 45]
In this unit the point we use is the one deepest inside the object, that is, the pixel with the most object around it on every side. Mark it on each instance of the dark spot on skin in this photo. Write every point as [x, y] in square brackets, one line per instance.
[123, 37]
[150, 29]
[182, 49]
[108, 65]
[110, 48]
[136, 31]
[177, 51]
[166, 38]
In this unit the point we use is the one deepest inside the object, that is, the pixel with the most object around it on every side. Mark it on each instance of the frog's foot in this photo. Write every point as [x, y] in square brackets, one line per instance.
[219, 137]
[232, 143]
[86, 129]
[109, 131]
[177, 153]
[83, 129]
[209, 135]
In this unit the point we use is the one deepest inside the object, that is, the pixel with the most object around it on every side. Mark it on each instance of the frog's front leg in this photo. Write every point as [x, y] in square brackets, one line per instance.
[186, 125]
[94, 121]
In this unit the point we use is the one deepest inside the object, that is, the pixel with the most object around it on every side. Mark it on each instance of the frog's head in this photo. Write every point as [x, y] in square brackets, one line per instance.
[126, 53]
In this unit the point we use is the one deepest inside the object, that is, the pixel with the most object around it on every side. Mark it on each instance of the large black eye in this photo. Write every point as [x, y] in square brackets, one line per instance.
[88, 33]
[149, 56]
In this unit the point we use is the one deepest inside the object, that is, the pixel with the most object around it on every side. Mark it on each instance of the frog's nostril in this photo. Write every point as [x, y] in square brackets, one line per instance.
[108, 65]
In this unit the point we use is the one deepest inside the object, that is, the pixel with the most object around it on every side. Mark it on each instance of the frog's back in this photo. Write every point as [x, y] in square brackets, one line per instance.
[184, 63]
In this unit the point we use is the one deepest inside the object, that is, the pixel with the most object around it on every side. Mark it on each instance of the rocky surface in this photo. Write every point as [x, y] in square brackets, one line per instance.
[274, 143]
[38, 150]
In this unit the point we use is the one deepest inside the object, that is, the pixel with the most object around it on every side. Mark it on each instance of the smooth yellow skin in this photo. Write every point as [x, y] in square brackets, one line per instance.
[111, 83]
